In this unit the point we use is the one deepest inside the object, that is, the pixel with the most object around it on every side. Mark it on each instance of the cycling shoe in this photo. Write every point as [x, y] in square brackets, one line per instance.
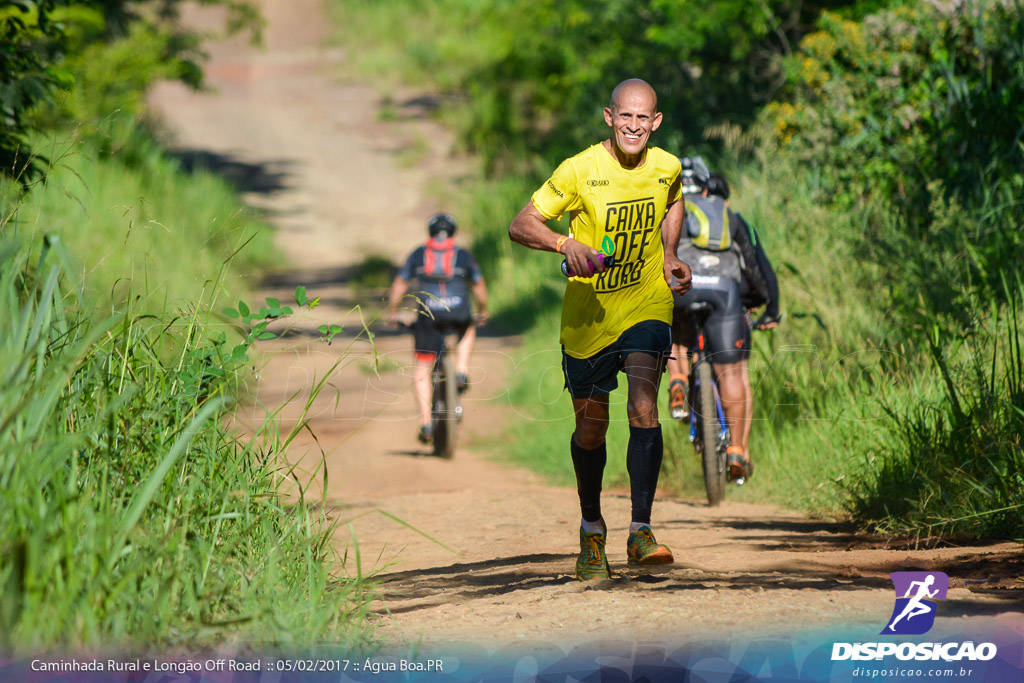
[677, 390]
[740, 467]
[426, 434]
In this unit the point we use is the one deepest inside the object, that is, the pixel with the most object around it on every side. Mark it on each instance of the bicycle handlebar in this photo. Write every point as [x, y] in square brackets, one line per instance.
[766, 322]
[476, 319]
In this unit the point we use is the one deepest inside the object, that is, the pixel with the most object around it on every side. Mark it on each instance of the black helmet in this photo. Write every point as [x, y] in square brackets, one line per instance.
[695, 174]
[717, 186]
[439, 223]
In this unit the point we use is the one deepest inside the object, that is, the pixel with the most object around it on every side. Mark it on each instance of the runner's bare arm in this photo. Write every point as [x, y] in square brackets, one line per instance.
[529, 228]
[671, 227]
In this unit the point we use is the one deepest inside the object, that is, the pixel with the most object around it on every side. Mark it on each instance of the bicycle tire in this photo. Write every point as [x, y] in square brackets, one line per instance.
[713, 464]
[437, 410]
[446, 423]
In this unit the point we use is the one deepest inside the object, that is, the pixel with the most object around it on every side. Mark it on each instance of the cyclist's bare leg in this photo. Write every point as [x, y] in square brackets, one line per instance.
[678, 363]
[421, 387]
[678, 366]
[464, 350]
[730, 388]
[748, 407]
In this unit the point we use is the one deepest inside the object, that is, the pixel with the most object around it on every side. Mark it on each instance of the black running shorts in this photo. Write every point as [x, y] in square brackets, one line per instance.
[598, 374]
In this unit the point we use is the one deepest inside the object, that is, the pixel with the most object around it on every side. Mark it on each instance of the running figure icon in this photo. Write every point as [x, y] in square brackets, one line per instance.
[916, 607]
[916, 596]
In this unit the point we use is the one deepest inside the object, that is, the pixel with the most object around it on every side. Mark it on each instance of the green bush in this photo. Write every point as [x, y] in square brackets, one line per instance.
[90, 59]
[29, 44]
[526, 80]
[912, 118]
[113, 77]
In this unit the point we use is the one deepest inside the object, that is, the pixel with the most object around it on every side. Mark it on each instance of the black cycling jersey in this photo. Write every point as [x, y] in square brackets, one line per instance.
[443, 300]
[771, 281]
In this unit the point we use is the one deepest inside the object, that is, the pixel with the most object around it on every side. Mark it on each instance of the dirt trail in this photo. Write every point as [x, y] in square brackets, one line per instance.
[312, 152]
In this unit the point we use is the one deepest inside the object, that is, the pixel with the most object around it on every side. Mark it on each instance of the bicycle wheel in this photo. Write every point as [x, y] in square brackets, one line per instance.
[714, 464]
[446, 423]
[437, 410]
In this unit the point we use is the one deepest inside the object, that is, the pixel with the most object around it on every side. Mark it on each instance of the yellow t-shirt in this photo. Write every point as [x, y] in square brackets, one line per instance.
[617, 211]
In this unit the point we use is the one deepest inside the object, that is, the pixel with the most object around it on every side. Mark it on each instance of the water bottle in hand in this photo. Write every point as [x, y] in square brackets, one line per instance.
[608, 262]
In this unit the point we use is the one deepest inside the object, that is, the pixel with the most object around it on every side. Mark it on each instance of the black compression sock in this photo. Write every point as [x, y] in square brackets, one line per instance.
[643, 462]
[589, 466]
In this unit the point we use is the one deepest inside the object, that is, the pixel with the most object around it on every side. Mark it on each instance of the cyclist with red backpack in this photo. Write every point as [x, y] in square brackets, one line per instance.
[444, 275]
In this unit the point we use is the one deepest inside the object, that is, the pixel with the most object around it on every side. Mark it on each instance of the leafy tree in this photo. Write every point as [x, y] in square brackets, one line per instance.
[92, 57]
[29, 44]
[534, 75]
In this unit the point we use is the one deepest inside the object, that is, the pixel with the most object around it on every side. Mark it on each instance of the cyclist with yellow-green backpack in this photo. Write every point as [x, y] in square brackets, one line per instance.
[730, 275]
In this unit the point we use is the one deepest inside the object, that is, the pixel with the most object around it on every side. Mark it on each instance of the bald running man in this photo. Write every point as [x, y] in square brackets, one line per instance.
[624, 200]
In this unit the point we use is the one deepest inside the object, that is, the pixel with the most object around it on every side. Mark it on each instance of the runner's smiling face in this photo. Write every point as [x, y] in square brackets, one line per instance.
[633, 118]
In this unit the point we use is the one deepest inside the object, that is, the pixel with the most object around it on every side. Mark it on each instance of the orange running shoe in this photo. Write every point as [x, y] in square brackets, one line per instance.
[642, 548]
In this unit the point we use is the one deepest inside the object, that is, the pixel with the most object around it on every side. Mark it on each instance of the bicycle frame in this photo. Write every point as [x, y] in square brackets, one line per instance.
[443, 394]
[694, 380]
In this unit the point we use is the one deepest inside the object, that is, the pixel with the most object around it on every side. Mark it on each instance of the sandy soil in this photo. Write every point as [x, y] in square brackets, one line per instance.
[311, 151]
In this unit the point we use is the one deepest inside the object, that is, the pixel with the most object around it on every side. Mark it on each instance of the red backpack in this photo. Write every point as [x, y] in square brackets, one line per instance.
[439, 259]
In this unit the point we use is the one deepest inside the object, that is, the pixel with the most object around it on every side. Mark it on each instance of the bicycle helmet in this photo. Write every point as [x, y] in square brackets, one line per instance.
[717, 186]
[439, 223]
[695, 174]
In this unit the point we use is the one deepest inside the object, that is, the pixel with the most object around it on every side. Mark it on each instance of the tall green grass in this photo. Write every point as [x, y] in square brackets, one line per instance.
[949, 460]
[933, 178]
[128, 516]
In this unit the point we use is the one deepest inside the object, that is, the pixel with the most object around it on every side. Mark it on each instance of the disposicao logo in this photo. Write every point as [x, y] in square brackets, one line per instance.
[916, 596]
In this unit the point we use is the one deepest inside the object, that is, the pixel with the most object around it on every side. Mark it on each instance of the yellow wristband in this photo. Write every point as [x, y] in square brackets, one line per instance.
[561, 241]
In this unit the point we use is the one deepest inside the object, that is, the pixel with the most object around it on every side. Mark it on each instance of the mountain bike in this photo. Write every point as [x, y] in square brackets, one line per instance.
[445, 401]
[445, 397]
[709, 432]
